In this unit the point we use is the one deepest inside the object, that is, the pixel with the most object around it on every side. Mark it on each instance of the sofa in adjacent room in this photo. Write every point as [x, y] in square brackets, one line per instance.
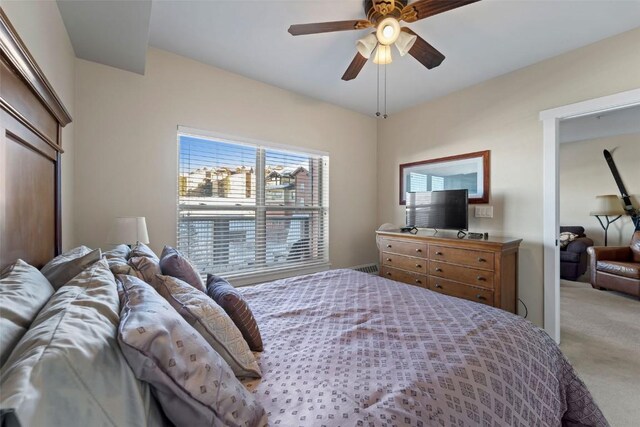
[573, 252]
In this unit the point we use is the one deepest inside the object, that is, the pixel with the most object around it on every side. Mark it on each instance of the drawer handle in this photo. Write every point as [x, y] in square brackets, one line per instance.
[389, 259]
[481, 279]
[418, 250]
[481, 297]
[438, 269]
[419, 281]
[388, 273]
[388, 246]
[418, 266]
[481, 259]
[439, 286]
[438, 253]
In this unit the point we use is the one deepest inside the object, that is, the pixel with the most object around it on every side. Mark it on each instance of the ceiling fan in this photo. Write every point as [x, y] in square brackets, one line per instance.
[385, 17]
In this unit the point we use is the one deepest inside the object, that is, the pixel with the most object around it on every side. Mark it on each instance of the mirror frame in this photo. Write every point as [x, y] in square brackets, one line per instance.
[405, 168]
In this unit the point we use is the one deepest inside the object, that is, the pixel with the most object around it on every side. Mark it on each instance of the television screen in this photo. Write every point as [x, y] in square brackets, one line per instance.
[444, 210]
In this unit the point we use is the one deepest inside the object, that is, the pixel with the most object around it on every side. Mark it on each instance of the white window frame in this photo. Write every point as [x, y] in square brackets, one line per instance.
[266, 274]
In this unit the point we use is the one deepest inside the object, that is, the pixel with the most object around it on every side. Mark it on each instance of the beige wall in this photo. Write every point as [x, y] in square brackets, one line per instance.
[40, 26]
[501, 115]
[127, 148]
[584, 174]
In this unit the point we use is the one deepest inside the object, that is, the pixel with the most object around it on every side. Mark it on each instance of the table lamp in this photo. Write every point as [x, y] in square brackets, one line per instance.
[129, 230]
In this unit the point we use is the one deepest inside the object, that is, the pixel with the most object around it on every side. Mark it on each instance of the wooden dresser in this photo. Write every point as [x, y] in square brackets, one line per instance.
[484, 271]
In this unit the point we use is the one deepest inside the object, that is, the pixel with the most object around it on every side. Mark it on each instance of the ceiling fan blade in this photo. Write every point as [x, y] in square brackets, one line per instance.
[424, 8]
[354, 68]
[327, 27]
[426, 54]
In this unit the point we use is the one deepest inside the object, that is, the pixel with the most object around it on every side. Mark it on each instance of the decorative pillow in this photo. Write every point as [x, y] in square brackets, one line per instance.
[65, 267]
[192, 382]
[140, 249]
[68, 369]
[211, 321]
[120, 266]
[567, 237]
[227, 297]
[23, 293]
[120, 251]
[173, 263]
[146, 268]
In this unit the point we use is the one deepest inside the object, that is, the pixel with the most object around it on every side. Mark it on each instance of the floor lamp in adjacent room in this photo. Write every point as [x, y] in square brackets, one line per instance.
[609, 210]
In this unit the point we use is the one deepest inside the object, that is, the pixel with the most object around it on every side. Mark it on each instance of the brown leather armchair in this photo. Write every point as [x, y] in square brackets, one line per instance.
[616, 268]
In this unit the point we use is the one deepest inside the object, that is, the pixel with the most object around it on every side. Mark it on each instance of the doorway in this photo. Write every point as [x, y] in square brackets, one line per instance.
[551, 120]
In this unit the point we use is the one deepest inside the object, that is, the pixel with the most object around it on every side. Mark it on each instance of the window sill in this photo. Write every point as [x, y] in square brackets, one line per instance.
[239, 280]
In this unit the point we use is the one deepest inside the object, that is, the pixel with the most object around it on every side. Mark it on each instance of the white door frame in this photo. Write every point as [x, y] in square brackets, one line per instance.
[551, 123]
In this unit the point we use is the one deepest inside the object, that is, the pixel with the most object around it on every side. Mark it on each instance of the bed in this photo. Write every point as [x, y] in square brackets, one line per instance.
[347, 348]
[341, 348]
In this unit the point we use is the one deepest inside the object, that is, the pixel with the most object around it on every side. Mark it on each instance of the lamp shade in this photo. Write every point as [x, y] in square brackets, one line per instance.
[608, 204]
[129, 230]
[366, 45]
[405, 42]
[383, 55]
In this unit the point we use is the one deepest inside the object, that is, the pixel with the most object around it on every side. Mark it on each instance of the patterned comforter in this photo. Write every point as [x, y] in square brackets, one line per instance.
[344, 348]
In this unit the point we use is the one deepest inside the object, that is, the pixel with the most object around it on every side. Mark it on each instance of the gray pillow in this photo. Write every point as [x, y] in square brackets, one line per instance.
[68, 369]
[192, 382]
[65, 267]
[212, 322]
[145, 268]
[120, 251]
[120, 266]
[173, 263]
[23, 292]
[140, 249]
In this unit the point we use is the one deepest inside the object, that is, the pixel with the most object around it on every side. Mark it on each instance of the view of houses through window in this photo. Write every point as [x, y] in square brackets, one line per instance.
[246, 208]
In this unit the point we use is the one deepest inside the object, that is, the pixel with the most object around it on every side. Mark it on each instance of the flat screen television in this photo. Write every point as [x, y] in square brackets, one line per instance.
[441, 210]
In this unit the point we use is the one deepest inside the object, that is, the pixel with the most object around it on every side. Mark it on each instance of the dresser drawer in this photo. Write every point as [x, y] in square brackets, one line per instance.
[404, 276]
[467, 257]
[417, 265]
[460, 290]
[402, 247]
[471, 276]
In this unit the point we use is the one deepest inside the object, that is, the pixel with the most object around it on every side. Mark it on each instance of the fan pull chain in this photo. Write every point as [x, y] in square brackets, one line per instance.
[385, 91]
[378, 91]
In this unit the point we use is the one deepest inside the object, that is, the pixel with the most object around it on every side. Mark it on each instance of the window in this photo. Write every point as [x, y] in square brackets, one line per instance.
[246, 209]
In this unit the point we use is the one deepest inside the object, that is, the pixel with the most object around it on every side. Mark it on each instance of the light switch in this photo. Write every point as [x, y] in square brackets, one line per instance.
[484, 212]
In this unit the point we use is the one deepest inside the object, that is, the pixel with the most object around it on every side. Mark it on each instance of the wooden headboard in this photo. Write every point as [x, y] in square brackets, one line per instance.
[31, 120]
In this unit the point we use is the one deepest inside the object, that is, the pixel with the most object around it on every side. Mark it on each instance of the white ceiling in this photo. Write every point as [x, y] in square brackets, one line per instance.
[622, 121]
[480, 41]
[114, 32]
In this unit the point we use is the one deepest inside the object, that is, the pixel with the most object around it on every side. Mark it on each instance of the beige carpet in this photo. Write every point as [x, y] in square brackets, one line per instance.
[600, 335]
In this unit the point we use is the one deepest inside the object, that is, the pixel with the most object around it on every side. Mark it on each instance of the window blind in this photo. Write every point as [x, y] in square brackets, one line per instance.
[246, 209]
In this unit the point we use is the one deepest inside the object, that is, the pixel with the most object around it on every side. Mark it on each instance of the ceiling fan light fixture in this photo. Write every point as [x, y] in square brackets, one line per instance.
[405, 42]
[383, 55]
[366, 45]
[388, 31]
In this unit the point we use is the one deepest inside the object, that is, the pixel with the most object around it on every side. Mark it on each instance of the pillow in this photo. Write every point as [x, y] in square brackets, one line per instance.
[68, 369]
[211, 321]
[173, 263]
[567, 237]
[120, 251]
[192, 382]
[120, 266]
[23, 292]
[227, 297]
[145, 268]
[140, 249]
[65, 267]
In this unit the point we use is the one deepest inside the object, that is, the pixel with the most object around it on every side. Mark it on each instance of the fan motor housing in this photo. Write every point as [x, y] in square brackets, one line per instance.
[374, 8]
